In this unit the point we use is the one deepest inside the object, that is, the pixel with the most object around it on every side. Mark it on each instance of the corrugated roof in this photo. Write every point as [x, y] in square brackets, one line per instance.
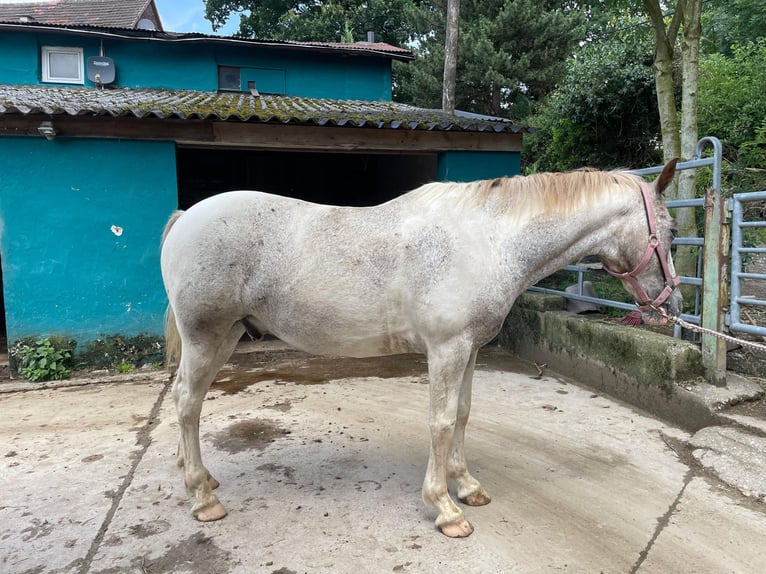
[375, 49]
[369, 46]
[110, 13]
[242, 107]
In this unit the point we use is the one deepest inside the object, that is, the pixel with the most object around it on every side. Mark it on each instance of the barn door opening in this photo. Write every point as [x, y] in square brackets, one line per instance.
[351, 179]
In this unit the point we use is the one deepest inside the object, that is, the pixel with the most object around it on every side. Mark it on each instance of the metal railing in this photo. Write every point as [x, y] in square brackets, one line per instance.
[740, 251]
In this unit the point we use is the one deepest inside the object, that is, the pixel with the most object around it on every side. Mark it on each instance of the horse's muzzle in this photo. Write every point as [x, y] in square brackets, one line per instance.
[659, 315]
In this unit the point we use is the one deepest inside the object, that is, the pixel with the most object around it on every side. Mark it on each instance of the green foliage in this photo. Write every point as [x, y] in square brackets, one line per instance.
[732, 107]
[604, 112]
[122, 353]
[394, 21]
[43, 359]
[125, 368]
[727, 23]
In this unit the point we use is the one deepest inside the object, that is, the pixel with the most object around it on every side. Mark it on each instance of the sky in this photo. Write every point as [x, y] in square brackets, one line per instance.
[182, 16]
[189, 16]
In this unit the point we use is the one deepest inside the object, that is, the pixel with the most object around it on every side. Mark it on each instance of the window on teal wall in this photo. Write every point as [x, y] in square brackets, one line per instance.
[242, 79]
[229, 79]
[62, 65]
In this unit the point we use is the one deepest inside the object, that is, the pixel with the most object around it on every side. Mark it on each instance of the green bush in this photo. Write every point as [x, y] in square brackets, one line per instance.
[43, 359]
[603, 113]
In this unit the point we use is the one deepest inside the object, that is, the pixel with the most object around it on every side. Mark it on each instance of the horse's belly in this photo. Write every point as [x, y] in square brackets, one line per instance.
[357, 348]
[327, 330]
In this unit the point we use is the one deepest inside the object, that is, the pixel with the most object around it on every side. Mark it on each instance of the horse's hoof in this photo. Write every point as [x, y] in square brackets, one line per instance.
[211, 513]
[457, 529]
[479, 498]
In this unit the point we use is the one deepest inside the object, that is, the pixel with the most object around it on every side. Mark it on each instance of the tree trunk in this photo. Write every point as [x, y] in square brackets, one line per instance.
[450, 55]
[687, 182]
[664, 41]
[678, 137]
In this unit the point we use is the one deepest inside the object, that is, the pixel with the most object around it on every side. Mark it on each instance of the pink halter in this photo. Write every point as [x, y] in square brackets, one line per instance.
[643, 301]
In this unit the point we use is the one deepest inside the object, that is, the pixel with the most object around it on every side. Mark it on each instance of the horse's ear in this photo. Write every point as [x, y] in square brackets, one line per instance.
[668, 172]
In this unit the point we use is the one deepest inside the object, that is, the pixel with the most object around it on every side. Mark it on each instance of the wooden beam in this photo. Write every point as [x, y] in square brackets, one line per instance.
[204, 133]
[322, 138]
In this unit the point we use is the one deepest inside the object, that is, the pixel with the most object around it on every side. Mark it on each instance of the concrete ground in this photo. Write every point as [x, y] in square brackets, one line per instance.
[321, 462]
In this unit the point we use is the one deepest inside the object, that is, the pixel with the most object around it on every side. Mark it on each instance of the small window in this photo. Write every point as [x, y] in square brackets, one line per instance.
[62, 65]
[229, 79]
[241, 79]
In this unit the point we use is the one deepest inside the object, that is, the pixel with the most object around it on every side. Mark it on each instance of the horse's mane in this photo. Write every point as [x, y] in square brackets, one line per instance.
[524, 196]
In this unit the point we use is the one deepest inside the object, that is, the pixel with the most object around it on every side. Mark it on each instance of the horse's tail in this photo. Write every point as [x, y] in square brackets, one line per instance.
[173, 218]
[172, 340]
[172, 337]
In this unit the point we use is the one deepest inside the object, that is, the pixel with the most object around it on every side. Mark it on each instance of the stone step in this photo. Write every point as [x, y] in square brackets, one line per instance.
[736, 456]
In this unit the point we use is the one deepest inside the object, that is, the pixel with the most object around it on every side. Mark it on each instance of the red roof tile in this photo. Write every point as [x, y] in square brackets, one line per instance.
[104, 13]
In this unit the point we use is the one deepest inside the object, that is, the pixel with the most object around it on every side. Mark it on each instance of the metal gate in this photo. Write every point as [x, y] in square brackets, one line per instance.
[748, 289]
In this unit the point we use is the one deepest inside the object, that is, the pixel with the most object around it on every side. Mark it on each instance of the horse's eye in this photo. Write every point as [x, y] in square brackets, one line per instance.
[674, 232]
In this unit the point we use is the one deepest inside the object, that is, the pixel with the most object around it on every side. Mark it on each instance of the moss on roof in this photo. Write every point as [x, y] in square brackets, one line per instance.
[231, 106]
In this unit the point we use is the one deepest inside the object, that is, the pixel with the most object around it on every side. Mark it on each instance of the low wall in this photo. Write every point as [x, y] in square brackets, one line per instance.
[646, 369]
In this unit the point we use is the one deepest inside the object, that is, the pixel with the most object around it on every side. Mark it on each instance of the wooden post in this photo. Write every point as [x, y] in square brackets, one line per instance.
[714, 286]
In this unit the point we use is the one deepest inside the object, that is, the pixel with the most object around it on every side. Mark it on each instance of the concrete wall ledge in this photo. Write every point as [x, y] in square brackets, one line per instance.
[652, 371]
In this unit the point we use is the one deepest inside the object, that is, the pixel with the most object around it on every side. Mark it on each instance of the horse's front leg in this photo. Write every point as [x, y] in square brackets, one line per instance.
[446, 366]
[469, 491]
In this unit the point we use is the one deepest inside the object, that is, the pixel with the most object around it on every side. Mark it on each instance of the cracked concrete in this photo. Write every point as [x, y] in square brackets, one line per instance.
[321, 463]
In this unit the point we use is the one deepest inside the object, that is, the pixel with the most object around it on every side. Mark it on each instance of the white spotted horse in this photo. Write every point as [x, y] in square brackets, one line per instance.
[434, 271]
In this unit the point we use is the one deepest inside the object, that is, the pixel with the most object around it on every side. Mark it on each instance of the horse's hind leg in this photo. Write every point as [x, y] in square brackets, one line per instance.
[200, 361]
[469, 491]
[446, 368]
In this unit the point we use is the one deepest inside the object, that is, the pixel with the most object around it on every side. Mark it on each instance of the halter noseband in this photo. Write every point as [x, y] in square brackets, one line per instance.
[643, 301]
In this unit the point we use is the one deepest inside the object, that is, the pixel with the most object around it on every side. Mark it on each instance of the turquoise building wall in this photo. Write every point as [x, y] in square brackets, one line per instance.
[80, 226]
[473, 165]
[194, 66]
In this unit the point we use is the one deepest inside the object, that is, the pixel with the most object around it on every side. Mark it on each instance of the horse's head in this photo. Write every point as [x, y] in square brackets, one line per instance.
[644, 264]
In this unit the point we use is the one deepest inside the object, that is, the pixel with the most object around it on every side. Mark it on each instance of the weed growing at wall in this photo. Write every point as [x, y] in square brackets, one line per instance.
[42, 359]
[122, 353]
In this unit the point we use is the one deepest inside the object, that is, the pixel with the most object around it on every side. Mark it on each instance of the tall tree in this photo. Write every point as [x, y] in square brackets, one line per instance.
[512, 52]
[450, 55]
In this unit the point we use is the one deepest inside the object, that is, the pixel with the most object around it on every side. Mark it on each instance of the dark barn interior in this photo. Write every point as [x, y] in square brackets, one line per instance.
[350, 179]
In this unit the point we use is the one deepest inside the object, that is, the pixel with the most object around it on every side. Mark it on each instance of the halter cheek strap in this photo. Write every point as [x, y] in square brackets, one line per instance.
[643, 301]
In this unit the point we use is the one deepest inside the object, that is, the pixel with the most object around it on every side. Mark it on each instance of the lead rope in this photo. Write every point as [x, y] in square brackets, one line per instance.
[686, 325]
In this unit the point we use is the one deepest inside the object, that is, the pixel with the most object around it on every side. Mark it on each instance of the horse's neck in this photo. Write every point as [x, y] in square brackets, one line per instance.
[546, 243]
